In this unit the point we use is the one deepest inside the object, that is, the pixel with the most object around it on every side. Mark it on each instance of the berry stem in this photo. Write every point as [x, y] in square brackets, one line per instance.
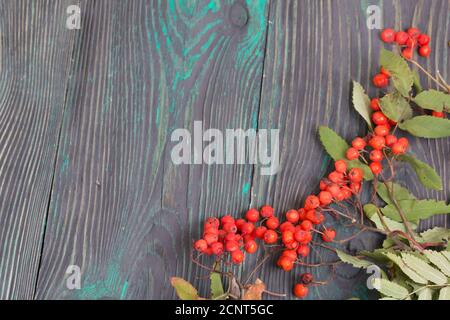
[429, 75]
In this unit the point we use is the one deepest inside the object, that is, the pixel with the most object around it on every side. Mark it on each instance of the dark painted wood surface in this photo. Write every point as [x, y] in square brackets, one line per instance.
[86, 118]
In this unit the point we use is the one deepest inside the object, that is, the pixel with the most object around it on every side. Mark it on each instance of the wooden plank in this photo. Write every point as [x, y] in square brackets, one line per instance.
[120, 209]
[314, 49]
[35, 53]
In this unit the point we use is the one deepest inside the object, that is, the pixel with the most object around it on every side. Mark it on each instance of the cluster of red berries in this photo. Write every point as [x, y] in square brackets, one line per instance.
[408, 40]
[381, 141]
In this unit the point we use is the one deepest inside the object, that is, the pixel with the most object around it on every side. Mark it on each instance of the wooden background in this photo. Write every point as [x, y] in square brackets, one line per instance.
[86, 116]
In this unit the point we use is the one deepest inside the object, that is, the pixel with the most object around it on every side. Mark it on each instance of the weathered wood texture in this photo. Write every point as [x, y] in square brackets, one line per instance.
[35, 52]
[118, 207]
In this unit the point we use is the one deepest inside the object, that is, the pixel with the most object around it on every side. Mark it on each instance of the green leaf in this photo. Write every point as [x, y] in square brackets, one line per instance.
[425, 294]
[427, 127]
[416, 82]
[371, 212]
[354, 261]
[426, 174]
[444, 293]
[216, 284]
[433, 100]
[414, 276]
[361, 103]
[415, 210]
[392, 289]
[402, 77]
[424, 269]
[399, 192]
[439, 261]
[446, 254]
[395, 107]
[184, 289]
[436, 234]
[336, 147]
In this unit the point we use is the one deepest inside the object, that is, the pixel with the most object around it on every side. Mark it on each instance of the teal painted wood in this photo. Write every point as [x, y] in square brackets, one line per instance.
[120, 209]
[314, 49]
[35, 52]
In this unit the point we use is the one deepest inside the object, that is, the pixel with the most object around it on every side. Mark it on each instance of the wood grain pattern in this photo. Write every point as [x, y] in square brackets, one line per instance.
[314, 49]
[35, 52]
[86, 119]
[120, 209]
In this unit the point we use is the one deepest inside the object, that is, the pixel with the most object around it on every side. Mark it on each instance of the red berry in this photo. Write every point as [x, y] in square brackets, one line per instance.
[272, 223]
[323, 184]
[210, 238]
[290, 254]
[376, 155]
[260, 231]
[287, 226]
[306, 225]
[388, 35]
[237, 256]
[231, 245]
[336, 177]
[355, 175]
[355, 187]
[375, 104]
[438, 114]
[359, 143]
[328, 235]
[333, 189]
[311, 215]
[300, 291]
[302, 214]
[407, 53]
[306, 278]
[287, 236]
[382, 130]
[251, 246]
[292, 216]
[285, 263]
[413, 32]
[390, 140]
[229, 227]
[270, 237]
[340, 166]
[401, 37]
[266, 211]
[200, 245]
[217, 248]
[312, 202]
[380, 80]
[385, 72]
[425, 51]
[398, 148]
[227, 219]
[403, 141]
[352, 154]
[376, 167]
[252, 215]
[377, 142]
[292, 245]
[423, 39]
[247, 228]
[303, 250]
[325, 198]
[379, 118]
[340, 196]
[212, 222]
[239, 223]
